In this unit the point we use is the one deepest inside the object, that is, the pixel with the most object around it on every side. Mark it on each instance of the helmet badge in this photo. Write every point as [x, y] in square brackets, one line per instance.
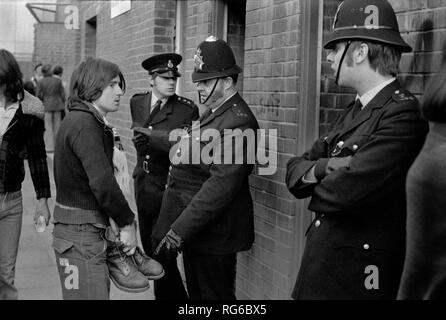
[198, 60]
[211, 39]
[170, 64]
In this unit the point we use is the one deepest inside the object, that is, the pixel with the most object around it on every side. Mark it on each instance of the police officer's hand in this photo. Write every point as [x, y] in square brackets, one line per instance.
[141, 138]
[171, 242]
[144, 131]
[140, 141]
[127, 236]
[337, 163]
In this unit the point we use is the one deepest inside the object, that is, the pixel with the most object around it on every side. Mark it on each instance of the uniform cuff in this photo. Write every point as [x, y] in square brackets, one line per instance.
[320, 170]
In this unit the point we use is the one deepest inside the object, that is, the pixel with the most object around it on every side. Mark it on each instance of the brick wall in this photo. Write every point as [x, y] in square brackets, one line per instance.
[271, 81]
[422, 24]
[54, 44]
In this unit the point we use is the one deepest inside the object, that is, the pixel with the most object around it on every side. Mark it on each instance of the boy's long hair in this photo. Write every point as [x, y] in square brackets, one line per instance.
[10, 77]
[91, 77]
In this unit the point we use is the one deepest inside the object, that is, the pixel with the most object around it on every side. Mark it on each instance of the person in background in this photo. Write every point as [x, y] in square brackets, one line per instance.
[356, 174]
[21, 133]
[51, 91]
[31, 85]
[57, 73]
[424, 273]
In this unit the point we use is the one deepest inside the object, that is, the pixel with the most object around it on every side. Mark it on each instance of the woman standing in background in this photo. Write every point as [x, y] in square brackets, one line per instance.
[424, 275]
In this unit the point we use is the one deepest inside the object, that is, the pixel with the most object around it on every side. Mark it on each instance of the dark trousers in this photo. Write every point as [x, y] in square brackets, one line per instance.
[169, 287]
[148, 195]
[210, 277]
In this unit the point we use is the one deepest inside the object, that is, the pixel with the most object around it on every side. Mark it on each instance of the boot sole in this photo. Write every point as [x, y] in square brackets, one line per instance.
[131, 290]
[156, 277]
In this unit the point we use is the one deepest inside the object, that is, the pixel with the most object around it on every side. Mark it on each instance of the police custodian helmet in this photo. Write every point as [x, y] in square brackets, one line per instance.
[214, 59]
[372, 20]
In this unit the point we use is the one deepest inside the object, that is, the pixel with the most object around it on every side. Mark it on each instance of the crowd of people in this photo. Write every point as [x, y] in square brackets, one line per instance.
[375, 180]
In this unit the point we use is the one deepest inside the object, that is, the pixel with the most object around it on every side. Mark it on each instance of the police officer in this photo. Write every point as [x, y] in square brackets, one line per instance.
[356, 174]
[207, 209]
[160, 110]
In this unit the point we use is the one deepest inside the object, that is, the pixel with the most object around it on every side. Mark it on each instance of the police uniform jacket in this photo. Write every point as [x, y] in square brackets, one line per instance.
[359, 225]
[177, 112]
[209, 205]
[150, 173]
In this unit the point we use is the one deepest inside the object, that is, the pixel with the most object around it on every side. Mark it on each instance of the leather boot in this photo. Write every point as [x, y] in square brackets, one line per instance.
[149, 267]
[123, 271]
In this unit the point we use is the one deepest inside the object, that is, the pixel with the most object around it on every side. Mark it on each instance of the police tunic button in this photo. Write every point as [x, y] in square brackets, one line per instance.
[317, 223]
[150, 128]
[340, 144]
[366, 246]
[355, 147]
[197, 138]
[147, 157]
[397, 91]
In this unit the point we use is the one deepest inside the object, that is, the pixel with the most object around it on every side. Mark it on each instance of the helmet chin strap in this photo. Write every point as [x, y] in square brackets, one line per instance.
[210, 95]
[341, 61]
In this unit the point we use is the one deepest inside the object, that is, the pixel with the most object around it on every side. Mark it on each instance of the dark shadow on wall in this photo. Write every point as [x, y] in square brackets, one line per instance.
[424, 43]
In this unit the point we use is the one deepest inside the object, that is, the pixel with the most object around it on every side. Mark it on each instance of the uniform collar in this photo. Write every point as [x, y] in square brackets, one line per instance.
[233, 100]
[154, 100]
[369, 95]
[223, 102]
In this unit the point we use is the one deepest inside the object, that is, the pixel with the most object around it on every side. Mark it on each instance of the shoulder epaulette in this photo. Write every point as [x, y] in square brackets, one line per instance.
[401, 95]
[238, 111]
[186, 101]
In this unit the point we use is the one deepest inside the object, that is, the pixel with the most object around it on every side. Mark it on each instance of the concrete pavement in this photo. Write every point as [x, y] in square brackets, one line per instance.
[36, 272]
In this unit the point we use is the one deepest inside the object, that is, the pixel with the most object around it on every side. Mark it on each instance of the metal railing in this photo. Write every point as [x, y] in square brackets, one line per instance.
[47, 12]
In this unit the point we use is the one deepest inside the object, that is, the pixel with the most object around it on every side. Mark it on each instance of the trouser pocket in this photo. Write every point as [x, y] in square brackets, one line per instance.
[82, 267]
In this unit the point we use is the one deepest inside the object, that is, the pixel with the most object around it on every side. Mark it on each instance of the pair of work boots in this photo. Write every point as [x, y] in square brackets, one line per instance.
[131, 273]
